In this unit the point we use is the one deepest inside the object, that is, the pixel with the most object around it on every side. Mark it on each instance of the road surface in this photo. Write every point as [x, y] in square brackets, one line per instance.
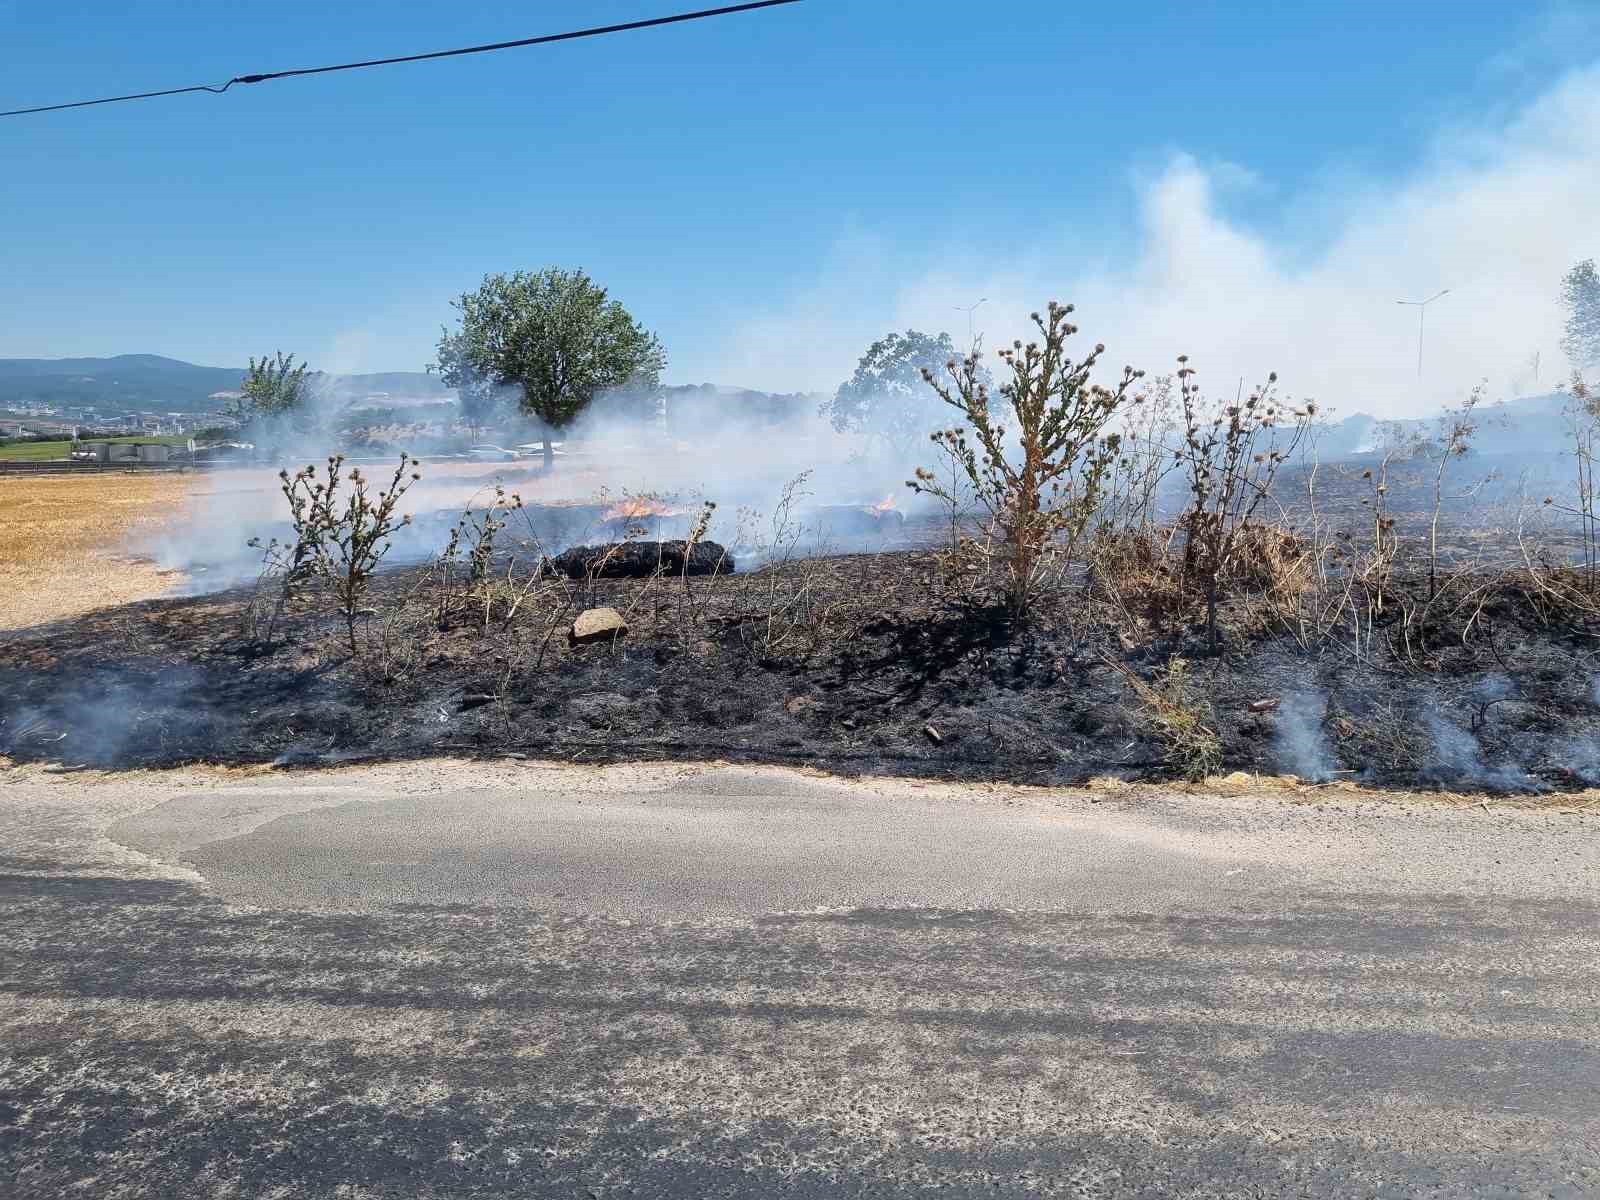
[453, 980]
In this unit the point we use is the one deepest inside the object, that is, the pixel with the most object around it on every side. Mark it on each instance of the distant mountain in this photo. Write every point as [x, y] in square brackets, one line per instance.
[150, 381]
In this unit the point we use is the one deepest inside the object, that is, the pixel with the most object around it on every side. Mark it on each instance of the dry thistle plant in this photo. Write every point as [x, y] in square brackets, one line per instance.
[777, 602]
[476, 533]
[1042, 494]
[1149, 439]
[1582, 414]
[1457, 427]
[341, 538]
[1231, 458]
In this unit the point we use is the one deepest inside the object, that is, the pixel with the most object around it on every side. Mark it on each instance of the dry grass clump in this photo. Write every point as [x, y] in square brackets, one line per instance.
[1180, 717]
[59, 537]
[1136, 571]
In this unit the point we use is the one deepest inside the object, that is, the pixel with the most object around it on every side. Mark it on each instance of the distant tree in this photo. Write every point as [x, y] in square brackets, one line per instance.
[479, 399]
[887, 399]
[1580, 296]
[555, 335]
[273, 387]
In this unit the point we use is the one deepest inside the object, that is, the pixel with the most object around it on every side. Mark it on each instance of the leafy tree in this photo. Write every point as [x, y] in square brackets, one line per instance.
[1580, 296]
[273, 387]
[887, 398]
[553, 334]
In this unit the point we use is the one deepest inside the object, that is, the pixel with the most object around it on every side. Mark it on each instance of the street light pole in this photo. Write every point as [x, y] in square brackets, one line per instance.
[969, 310]
[1422, 315]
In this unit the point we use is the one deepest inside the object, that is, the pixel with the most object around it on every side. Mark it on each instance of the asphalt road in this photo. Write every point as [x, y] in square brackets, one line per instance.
[449, 980]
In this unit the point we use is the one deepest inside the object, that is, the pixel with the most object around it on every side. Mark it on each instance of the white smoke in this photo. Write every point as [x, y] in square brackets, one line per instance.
[1301, 747]
[1495, 212]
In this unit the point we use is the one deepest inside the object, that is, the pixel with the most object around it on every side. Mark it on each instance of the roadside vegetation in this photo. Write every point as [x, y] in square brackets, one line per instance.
[1123, 575]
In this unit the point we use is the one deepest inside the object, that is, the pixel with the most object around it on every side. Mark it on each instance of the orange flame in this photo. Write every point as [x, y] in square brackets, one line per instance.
[636, 507]
[883, 508]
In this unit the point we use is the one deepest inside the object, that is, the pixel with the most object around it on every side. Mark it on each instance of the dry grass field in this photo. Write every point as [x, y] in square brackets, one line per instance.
[64, 539]
[61, 539]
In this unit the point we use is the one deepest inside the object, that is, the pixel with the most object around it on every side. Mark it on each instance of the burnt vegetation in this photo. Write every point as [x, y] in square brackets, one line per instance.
[1125, 580]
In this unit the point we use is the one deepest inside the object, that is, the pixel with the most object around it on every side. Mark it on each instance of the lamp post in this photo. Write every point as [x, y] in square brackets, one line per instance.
[1422, 315]
[969, 309]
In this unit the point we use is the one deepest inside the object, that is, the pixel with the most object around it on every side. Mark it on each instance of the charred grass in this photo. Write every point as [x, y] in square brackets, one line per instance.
[902, 662]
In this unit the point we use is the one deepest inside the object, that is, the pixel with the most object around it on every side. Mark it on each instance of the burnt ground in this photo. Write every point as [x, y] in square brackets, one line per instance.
[869, 663]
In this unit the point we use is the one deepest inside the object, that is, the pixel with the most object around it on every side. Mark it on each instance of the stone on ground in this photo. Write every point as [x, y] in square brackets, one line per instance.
[597, 625]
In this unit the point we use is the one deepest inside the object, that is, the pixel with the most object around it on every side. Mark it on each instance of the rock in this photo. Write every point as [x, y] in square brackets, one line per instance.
[638, 560]
[796, 705]
[597, 625]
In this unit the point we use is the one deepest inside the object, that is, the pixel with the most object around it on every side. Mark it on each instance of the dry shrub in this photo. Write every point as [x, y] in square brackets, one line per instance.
[1042, 481]
[1275, 565]
[1231, 456]
[1560, 593]
[1135, 571]
[789, 607]
[1180, 717]
[342, 526]
[1141, 576]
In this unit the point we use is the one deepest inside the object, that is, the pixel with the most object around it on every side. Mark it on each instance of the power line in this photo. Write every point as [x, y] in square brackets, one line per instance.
[546, 39]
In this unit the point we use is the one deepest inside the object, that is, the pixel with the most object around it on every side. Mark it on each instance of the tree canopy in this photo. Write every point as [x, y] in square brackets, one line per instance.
[555, 336]
[272, 387]
[274, 400]
[887, 398]
[1580, 296]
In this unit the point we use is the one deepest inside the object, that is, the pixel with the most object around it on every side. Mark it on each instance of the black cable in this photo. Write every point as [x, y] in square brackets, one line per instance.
[649, 23]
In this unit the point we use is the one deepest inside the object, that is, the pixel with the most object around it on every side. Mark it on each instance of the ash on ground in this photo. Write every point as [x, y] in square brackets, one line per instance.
[870, 663]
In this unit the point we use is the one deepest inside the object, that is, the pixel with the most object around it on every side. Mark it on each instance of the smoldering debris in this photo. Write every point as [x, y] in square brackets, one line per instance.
[1300, 742]
[114, 712]
[1458, 757]
[640, 560]
[850, 680]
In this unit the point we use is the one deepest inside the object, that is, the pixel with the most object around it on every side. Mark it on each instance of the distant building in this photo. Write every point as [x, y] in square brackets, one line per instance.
[113, 453]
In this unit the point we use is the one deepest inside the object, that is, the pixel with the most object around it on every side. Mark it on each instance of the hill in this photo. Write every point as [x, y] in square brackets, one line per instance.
[1528, 426]
[150, 381]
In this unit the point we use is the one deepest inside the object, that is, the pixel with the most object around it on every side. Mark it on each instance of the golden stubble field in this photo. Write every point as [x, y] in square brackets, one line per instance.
[64, 539]
[70, 544]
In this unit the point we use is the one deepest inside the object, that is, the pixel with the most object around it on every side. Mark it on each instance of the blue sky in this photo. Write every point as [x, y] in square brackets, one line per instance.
[733, 181]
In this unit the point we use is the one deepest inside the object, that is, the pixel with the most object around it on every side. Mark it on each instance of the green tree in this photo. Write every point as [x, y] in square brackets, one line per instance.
[273, 387]
[887, 399]
[555, 335]
[1580, 296]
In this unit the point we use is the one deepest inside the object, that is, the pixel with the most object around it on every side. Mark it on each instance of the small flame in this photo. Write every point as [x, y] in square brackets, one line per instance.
[884, 507]
[636, 507]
